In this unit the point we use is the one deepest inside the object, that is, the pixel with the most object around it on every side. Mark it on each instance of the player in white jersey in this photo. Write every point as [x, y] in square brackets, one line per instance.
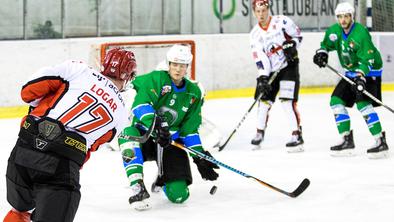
[274, 41]
[73, 110]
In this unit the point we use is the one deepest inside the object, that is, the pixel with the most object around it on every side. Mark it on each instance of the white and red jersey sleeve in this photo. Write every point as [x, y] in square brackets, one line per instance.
[266, 43]
[81, 98]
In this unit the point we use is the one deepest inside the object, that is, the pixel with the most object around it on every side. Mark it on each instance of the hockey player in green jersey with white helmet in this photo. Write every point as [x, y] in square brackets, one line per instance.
[173, 103]
[363, 64]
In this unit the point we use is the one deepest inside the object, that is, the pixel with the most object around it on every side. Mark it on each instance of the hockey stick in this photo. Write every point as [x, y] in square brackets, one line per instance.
[364, 91]
[143, 138]
[301, 188]
[221, 147]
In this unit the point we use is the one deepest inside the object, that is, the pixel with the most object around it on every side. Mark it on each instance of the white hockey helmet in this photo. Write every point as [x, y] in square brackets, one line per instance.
[344, 8]
[179, 53]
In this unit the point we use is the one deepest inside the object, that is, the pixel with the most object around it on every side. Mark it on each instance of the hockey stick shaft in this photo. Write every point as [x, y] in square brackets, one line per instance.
[301, 188]
[364, 91]
[247, 113]
[143, 138]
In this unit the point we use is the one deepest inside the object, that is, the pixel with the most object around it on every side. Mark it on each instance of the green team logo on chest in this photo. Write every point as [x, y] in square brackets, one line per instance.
[169, 114]
[346, 52]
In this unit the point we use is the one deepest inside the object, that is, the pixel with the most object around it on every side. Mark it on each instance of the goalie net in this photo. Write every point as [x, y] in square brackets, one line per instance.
[149, 55]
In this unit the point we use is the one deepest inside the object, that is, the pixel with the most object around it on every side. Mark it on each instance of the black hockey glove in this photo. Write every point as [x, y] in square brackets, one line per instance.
[320, 58]
[290, 50]
[206, 168]
[263, 87]
[163, 135]
[359, 86]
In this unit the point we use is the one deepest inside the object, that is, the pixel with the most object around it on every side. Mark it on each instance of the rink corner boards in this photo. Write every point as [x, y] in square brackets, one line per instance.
[9, 112]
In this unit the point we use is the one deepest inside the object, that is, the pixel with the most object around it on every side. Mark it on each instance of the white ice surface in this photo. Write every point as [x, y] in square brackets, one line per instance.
[351, 189]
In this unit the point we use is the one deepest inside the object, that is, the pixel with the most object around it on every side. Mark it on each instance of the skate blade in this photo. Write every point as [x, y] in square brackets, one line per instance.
[295, 149]
[379, 155]
[343, 153]
[141, 205]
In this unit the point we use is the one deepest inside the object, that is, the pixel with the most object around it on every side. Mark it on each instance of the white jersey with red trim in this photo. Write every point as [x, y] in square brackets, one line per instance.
[84, 100]
[266, 43]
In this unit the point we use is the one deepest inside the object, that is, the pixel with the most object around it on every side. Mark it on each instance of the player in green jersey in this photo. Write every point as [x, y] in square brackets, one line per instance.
[175, 102]
[363, 64]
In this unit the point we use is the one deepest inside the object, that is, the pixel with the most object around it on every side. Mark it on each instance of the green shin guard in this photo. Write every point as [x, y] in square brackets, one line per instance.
[341, 115]
[177, 191]
[371, 117]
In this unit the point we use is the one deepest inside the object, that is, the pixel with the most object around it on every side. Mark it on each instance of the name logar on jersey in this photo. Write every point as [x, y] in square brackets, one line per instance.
[111, 86]
[105, 96]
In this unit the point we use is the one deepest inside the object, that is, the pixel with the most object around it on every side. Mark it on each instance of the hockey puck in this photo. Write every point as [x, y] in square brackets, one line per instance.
[213, 190]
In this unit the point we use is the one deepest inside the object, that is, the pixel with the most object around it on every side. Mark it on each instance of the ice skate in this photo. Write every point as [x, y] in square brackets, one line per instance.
[345, 148]
[296, 143]
[380, 150]
[256, 141]
[139, 199]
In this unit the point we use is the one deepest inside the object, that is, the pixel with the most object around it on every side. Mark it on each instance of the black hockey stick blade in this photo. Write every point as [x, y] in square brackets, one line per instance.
[301, 188]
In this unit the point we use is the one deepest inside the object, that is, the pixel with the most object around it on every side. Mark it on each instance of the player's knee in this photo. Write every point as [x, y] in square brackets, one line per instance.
[177, 191]
[131, 131]
[336, 101]
[364, 105]
[287, 104]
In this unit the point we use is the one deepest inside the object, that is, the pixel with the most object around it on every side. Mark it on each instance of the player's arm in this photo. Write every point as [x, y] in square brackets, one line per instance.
[46, 81]
[366, 55]
[293, 40]
[292, 32]
[263, 67]
[328, 44]
[188, 131]
[261, 59]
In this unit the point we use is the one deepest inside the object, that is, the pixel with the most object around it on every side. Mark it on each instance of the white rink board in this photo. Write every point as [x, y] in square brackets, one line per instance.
[222, 61]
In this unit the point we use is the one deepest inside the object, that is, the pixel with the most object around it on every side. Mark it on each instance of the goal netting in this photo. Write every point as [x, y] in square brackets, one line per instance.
[382, 14]
[149, 54]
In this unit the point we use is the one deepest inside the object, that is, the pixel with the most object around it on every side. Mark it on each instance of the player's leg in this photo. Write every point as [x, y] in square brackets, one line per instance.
[263, 108]
[133, 160]
[57, 199]
[176, 175]
[19, 195]
[365, 106]
[288, 94]
[177, 191]
[296, 141]
[56, 203]
[342, 97]
[47, 182]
